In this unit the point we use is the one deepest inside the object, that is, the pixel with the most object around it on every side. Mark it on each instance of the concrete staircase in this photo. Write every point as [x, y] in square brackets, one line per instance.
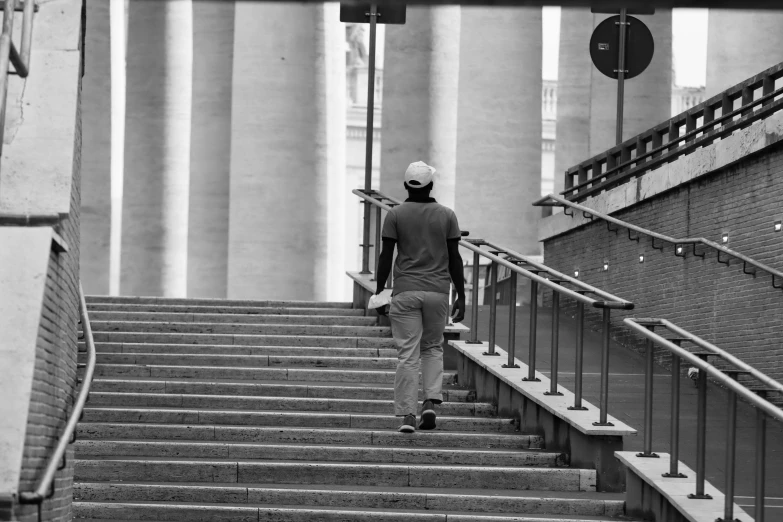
[206, 410]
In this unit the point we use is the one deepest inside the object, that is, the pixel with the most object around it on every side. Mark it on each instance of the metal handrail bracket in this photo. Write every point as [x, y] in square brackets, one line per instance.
[556, 201]
[45, 487]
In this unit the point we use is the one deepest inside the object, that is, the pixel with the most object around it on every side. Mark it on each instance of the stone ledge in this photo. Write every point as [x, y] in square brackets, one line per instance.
[366, 282]
[645, 473]
[557, 405]
[684, 169]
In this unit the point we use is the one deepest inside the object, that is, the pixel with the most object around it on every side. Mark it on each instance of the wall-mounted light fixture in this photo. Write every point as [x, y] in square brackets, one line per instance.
[725, 237]
[641, 258]
[606, 266]
[576, 273]
[679, 250]
[778, 226]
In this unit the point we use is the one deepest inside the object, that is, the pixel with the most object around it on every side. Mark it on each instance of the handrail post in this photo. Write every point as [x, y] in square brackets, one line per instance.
[366, 239]
[674, 457]
[531, 363]
[648, 401]
[580, 327]
[474, 302]
[701, 435]
[377, 246]
[731, 449]
[5, 57]
[27, 34]
[761, 447]
[555, 342]
[493, 308]
[512, 320]
[604, 399]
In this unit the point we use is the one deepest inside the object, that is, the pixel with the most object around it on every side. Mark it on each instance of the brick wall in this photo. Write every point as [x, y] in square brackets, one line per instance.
[719, 303]
[55, 384]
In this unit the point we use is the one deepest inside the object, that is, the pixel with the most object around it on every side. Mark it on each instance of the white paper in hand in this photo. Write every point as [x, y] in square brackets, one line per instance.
[378, 301]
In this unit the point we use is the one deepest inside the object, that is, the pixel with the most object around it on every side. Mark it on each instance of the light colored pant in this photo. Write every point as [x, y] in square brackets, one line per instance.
[417, 322]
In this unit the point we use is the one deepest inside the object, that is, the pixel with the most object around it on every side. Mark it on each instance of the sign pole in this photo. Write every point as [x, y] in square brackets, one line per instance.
[373, 15]
[621, 73]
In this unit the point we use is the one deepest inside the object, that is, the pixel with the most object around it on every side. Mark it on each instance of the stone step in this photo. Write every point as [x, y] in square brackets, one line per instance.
[138, 430]
[95, 449]
[239, 329]
[286, 419]
[343, 474]
[91, 299]
[245, 339]
[217, 309]
[232, 349]
[430, 499]
[244, 361]
[331, 391]
[173, 317]
[150, 511]
[252, 374]
[251, 403]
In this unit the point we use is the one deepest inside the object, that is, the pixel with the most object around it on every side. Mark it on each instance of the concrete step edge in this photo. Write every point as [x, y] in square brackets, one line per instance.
[95, 299]
[351, 473]
[531, 502]
[361, 436]
[217, 309]
[206, 512]
[153, 409]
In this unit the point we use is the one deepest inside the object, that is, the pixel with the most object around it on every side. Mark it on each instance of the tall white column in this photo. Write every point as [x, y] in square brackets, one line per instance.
[96, 151]
[499, 132]
[210, 148]
[285, 145]
[741, 44]
[420, 86]
[587, 100]
[157, 148]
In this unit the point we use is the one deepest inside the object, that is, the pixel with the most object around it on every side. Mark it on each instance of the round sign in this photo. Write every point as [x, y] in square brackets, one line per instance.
[605, 43]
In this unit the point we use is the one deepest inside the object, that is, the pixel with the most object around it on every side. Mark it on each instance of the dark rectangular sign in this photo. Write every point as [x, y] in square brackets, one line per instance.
[609, 9]
[360, 13]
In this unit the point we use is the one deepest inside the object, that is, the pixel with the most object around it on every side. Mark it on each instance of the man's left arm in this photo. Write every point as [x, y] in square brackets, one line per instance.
[384, 264]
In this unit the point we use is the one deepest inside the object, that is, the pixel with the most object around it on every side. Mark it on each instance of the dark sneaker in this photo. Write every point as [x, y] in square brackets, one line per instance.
[427, 416]
[408, 424]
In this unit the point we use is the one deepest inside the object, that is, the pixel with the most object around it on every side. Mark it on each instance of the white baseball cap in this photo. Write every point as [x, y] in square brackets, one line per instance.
[418, 175]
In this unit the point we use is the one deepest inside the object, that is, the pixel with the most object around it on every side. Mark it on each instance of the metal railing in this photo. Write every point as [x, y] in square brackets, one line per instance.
[713, 119]
[679, 244]
[538, 274]
[57, 460]
[9, 53]
[727, 378]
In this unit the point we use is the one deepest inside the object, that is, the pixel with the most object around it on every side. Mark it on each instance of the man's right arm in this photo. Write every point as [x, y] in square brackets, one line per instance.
[457, 278]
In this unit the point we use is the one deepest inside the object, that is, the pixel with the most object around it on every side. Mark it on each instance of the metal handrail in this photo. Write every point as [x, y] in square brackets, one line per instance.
[632, 157]
[9, 54]
[727, 378]
[590, 214]
[519, 264]
[45, 487]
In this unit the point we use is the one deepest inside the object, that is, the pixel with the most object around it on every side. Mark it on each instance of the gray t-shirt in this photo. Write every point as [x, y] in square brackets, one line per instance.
[421, 231]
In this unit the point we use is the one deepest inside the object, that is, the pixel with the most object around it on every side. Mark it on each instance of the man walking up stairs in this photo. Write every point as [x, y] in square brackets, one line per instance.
[214, 410]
